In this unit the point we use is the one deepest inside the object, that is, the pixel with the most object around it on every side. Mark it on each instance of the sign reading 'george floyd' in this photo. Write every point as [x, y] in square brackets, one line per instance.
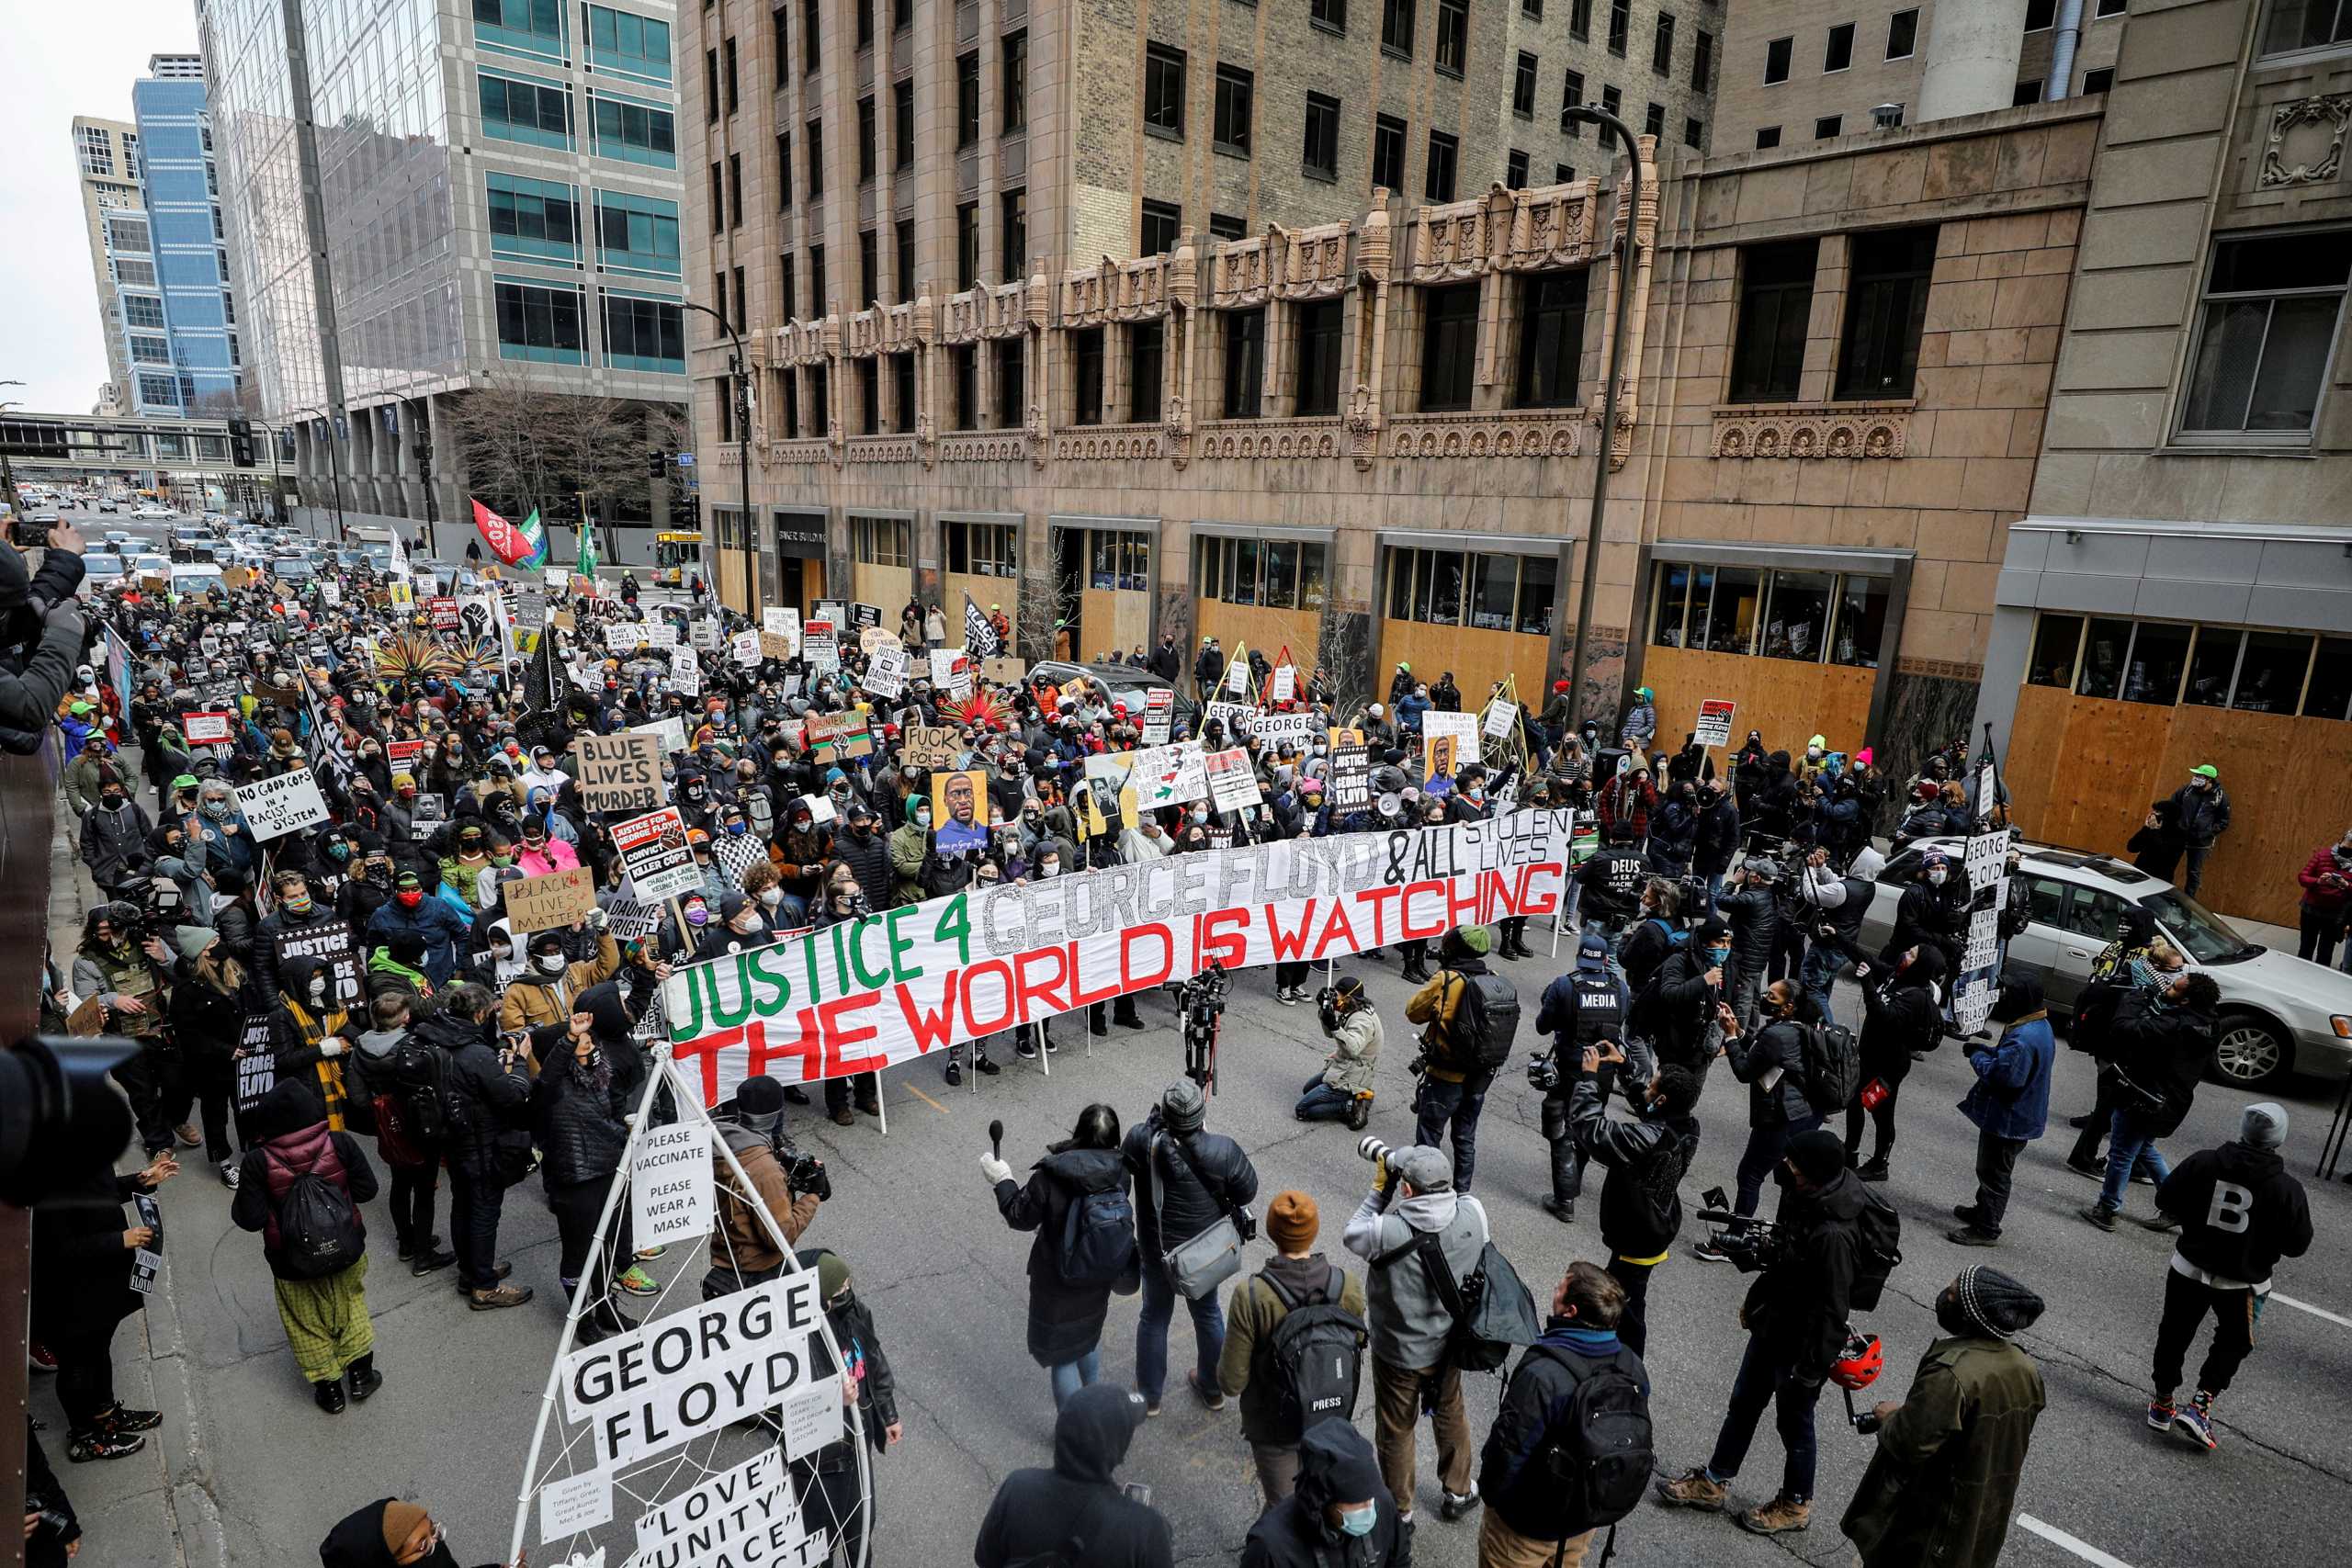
[859, 996]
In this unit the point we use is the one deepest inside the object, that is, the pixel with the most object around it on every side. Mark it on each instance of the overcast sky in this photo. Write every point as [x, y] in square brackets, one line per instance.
[65, 60]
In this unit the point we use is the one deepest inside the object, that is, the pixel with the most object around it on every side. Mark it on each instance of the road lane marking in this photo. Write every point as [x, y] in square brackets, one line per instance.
[924, 1098]
[2306, 1307]
[2074, 1544]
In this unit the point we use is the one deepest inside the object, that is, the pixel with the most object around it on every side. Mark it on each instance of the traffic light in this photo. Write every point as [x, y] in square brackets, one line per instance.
[241, 443]
[657, 463]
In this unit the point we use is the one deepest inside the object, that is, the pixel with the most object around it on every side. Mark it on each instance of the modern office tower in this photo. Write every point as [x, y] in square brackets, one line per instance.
[107, 154]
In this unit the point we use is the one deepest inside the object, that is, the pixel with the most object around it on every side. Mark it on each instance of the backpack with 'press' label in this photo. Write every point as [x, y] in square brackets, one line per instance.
[1314, 1358]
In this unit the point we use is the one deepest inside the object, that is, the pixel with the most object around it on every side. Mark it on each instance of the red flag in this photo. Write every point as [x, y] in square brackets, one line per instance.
[505, 540]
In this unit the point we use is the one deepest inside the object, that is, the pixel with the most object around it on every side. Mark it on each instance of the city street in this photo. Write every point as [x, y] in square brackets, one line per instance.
[944, 1278]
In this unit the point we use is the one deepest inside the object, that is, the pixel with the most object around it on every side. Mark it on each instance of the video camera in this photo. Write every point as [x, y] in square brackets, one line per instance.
[806, 1173]
[1200, 1003]
[1327, 1008]
[1543, 1072]
[1752, 1247]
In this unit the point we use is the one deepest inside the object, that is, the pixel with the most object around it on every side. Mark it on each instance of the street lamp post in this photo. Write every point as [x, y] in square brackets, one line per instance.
[1630, 206]
[739, 367]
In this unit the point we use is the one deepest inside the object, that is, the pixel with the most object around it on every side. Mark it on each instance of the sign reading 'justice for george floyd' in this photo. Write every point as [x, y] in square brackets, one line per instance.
[859, 996]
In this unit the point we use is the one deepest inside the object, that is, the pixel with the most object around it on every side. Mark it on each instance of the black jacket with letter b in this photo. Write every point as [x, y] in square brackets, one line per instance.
[2239, 1211]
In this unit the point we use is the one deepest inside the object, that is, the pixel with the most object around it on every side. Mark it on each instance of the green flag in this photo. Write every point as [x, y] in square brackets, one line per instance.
[537, 537]
[587, 549]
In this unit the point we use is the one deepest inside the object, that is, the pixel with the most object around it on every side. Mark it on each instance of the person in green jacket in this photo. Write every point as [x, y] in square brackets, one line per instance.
[1298, 1277]
[1943, 1484]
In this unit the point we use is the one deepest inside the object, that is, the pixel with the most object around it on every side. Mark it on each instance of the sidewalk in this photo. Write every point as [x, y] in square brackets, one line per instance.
[155, 1509]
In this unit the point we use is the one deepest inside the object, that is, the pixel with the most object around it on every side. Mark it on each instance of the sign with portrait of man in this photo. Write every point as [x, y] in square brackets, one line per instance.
[960, 811]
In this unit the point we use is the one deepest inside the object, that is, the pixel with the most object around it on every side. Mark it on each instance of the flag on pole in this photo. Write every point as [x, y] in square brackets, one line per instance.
[507, 542]
[979, 636]
[536, 538]
[398, 565]
[587, 567]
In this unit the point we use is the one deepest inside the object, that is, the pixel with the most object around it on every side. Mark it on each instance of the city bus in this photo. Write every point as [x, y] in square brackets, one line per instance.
[677, 560]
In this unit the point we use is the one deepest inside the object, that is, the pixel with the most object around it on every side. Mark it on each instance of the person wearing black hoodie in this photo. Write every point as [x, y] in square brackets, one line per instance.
[2239, 1214]
[590, 1076]
[2161, 1042]
[1341, 1515]
[830, 1493]
[1066, 1315]
[41, 638]
[1641, 1206]
[81, 1294]
[389, 1533]
[1076, 1508]
[1769, 1060]
[486, 1095]
[325, 1316]
[1795, 1316]
[1530, 1519]
[1899, 1016]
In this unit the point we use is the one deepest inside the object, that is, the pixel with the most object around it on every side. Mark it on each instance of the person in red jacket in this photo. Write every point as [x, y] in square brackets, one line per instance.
[2327, 894]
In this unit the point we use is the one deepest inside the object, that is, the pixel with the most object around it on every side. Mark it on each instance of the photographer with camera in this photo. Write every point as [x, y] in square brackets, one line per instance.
[128, 969]
[1831, 908]
[1470, 1018]
[1641, 1203]
[1587, 1006]
[1753, 907]
[1770, 1060]
[1191, 1186]
[1293, 1347]
[41, 628]
[1795, 1316]
[1413, 1202]
[1569, 1451]
[1676, 1012]
[486, 1098]
[1342, 1090]
[789, 1185]
[1656, 933]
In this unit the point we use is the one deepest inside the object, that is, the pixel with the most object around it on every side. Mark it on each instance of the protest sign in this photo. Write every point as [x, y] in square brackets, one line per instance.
[621, 771]
[275, 807]
[628, 919]
[208, 728]
[661, 634]
[1462, 726]
[863, 616]
[745, 648]
[442, 611]
[1714, 727]
[960, 811]
[1003, 670]
[1239, 719]
[1441, 756]
[832, 736]
[543, 903]
[622, 637]
[670, 1381]
[530, 608]
[1232, 785]
[1273, 730]
[703, 1508]
[685, 673]
[1350, 776]
[859, 996]
[427, 813]
[1236, 677]
[885, 672]
[1501, 717]
[1169, 776]
[575, 1504]
[256, 1067]
[670, 733]
[943, 664]
[1159, 707]
[147, 1262]
[820, 648]
[930, 746]
[402, 754]
[670, 1184]
[653, 851]
[704, 633]
[1285, 686]
[771, 646]
[832, 610]
[870, 639]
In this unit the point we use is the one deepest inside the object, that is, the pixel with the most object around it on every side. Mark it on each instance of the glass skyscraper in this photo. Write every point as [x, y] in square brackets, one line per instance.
[181, 340]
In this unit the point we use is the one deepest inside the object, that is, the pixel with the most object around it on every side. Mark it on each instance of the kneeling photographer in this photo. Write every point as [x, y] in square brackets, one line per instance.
[1795, 1316]
[1342, 1090]
[789, 1183]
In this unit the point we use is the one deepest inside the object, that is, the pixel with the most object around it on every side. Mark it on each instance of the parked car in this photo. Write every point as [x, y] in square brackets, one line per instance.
[1124, 684]
[2279, 1014]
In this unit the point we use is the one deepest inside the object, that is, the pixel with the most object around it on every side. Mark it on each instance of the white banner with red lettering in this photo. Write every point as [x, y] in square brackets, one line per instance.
[859, 996]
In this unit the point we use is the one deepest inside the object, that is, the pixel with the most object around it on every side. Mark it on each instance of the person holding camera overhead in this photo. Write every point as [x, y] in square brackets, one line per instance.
[1342, 1090]
[1189, 1184]
[1470, 1015]
[1587, 1006]
[1771, 1061]
[1795, 1316]
[1753, 907]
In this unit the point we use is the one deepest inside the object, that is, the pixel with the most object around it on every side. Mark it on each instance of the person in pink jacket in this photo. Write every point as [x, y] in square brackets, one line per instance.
[541, 854]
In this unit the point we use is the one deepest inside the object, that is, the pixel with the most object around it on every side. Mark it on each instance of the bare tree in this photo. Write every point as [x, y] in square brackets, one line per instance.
[526, 445]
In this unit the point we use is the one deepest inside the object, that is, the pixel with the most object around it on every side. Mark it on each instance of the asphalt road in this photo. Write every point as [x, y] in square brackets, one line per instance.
[944, 1278]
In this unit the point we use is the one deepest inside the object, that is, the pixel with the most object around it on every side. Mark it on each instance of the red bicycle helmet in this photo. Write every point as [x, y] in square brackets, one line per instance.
[1858, 1365]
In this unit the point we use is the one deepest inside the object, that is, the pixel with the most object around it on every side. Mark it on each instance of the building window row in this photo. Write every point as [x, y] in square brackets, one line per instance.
[546, 323]
[879, 541]
[1811, 617]
[1275, 574]
[1484, 591]
[522, 26]
[629, 45]
[2169, 663]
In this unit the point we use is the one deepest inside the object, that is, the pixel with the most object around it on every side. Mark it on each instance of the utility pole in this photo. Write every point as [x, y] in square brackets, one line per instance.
[1629, 204]
[739, 366]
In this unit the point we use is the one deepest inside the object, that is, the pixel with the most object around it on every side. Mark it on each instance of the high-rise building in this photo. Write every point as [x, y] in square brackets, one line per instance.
[1802, 71]
[854, 155]
[106, 151]
[182, 340]
[429, 199]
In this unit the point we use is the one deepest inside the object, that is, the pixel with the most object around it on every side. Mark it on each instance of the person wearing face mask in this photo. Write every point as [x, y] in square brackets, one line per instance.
[589, 1088]
[910, 845]
[806, 848]
[2327, 883]
[1342, 1513]
[2160, 1042]
[1587, 1006]
[469, 856]
[86, 774]
[1076, 1508]
[411, 907]
[1942, 1480]
[862, 851]
[1757, 919]
[830, 1495]
[1770, 1059]
[1901, 1014]
[1531, 1521]
[1934, 910]
[542, 855]
[548, 988]
[487, 1138]
[389, 1533]
[130, 979]
[1676, 1012]
[2010, 1104]
[113, 837]
[2201, 811]
[742, 924]
[311, 1034]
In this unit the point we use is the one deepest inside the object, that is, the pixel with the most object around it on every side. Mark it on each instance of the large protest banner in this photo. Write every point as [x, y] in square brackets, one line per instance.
[863, 995]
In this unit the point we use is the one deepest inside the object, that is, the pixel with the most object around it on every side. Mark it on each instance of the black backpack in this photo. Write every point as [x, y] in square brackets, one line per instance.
[1486, 1022]
[1314, 1358]
[1598, 1457]
[318, 1229]
[1881, 1231]
[417, 1073]
[1098, 1241]
[1833, 1066]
